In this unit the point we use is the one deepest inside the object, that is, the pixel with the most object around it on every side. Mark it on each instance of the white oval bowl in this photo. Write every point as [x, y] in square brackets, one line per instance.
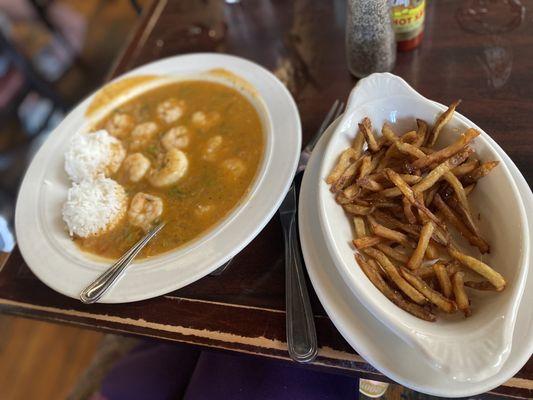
[59, 263]
[469, 349]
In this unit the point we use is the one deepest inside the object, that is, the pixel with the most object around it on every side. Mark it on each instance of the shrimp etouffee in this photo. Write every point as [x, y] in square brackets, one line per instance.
[193, 149]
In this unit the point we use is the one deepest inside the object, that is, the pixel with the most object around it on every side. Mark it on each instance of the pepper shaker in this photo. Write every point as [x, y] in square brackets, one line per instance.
[370, 41]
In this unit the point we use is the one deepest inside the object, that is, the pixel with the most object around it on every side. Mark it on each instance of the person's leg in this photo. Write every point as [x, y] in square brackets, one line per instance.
[228, 376]
[152, 371]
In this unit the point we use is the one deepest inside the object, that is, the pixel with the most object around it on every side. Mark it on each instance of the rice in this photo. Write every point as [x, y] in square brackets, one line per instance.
[92, 154]
[94, 206]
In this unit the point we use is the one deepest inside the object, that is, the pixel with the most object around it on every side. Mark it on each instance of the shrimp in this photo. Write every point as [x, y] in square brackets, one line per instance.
[142, 134]
[117, 154]
[235, 166]
[205, 121]
[120, 124]
[136, 166]
[176, 138]
[170, 110]
[213, 145]
[172, 169]
[144, 210]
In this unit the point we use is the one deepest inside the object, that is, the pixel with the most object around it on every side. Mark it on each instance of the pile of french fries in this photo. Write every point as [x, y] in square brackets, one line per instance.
[404, 195]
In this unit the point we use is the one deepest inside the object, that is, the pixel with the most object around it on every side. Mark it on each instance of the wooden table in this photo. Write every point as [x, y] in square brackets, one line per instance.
[303, 43]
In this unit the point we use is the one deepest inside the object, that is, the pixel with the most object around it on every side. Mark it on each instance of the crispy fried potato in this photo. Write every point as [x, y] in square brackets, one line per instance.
[418, 255]
[367, 241]
[358, 143]
[366, 128]
[481, 171]
[370, 184]
[347, 157]
[478, 266]
[447, 152]
[409, 248]
[376, 278]
[441, 121]
[441, 169]
[465, 168]
[394, 275]
[348, 176]
[421, 132]
[388, 233]
[409, 194]
[432, 295]
[480, 285]
[358, 209]
[424, 272]
[453, 219]
[461, 298]
[392, 253]
[359, 226]
[408, 211]
[444, 279]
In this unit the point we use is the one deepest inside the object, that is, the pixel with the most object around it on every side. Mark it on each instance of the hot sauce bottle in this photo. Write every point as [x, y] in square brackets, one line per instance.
[408, 22]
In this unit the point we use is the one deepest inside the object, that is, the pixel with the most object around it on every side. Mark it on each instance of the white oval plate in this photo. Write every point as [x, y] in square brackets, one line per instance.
[383, 349]
[469, 349]
[53, 257]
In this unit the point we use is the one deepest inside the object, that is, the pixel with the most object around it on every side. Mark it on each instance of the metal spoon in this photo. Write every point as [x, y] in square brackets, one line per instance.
[101, 285]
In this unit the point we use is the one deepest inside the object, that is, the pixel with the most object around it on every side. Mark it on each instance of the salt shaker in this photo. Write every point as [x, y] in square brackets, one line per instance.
[370, 42]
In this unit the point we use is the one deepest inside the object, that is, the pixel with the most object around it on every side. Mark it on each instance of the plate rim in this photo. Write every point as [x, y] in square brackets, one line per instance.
[330, 301]
[272, 88]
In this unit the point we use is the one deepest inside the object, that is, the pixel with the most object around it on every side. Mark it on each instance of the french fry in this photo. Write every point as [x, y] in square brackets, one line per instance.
[432, 295]
[441, 169]
[348, 176]
[421, 132]
[447, 152]
[347, 157]
[366, 165]
[366, 128]
[358, 143]
[432, 252]
[376, 159]
[377, 280]
[351, 191]
[441, 121]
[379, 188]
[478, 266]
[367, 241]
[453, 219]
[452, 267]
[411, 218]
[392, 253]
[461, 298]
[424, 272]
[418, 255]
[444, 279]
[358, 209]
[481, 171]
[394, 275]
[388, 233]
[370, 184]
[465, 168]
[409, 194]
[480, 285]
[377, 267]
[359, 226]
[469, 188]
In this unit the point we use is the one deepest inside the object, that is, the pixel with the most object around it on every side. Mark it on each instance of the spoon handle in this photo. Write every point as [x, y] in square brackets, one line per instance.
[99, 287]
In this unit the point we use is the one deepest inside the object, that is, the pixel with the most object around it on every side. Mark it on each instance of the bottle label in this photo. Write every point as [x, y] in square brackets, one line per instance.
[407, 18]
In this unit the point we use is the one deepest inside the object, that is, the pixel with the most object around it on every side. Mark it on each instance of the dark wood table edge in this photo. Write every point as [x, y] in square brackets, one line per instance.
[136, 38]
[328, 360]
